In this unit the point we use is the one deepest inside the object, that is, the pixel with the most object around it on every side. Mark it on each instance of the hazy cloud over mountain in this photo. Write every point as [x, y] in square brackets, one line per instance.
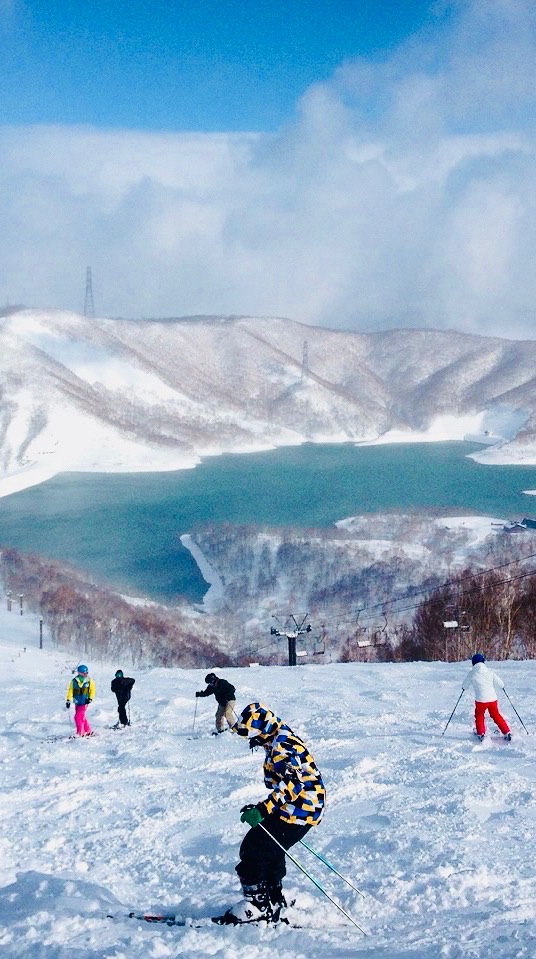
[403, 193]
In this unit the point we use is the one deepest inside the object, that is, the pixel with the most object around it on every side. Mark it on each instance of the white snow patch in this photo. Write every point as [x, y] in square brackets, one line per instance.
[480, 526]
[213, 598]
[500, 424]
[441, 429]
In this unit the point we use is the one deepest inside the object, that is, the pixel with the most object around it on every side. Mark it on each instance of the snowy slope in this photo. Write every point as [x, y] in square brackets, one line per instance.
[436, 831]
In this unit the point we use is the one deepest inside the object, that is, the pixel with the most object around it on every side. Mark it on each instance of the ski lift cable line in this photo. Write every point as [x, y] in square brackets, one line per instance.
[475, 589]
[478, 588]
[368, 612]
[246, 650]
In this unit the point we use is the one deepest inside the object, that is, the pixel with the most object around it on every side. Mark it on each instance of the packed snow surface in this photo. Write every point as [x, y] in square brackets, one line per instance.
[435, 830]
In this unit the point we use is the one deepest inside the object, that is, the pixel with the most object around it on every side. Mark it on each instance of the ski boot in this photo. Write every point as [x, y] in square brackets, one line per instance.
[508, 737]
[278, 903]
[254, 907]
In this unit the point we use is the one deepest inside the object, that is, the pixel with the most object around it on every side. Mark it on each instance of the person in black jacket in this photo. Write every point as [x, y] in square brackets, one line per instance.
[225, 698]
[122, 687]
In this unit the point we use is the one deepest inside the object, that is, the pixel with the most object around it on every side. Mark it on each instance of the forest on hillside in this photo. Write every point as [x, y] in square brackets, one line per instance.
[362, 599]
[94, 621]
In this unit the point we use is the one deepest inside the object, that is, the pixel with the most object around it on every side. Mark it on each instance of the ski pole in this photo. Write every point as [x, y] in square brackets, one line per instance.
[330, 866]
[453, 711]
[195, 714]
[516, 712]
[314, 881]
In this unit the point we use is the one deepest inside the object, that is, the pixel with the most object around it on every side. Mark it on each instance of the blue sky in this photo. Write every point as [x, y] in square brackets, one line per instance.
[354, 165]
[196, 65]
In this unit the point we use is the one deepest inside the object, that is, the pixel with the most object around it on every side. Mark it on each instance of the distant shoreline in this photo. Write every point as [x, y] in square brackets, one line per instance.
[38, 473]
[130, 529]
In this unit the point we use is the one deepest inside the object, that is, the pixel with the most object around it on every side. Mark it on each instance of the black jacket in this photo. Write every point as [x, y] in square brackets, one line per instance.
[222, 690]
[122, 687]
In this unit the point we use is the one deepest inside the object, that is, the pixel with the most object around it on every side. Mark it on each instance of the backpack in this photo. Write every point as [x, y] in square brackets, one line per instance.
[80, 688]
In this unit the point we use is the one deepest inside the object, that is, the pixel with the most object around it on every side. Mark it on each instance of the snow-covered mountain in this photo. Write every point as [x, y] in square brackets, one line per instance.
[120, 395]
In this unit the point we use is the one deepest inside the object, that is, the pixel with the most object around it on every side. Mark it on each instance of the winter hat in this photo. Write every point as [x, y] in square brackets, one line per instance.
[82, 669]
[258, 719]
[478, 658]
[119, 674]
[211, 678]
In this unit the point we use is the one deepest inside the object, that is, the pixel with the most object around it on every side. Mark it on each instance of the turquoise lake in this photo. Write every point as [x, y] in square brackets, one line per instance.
[124, 528]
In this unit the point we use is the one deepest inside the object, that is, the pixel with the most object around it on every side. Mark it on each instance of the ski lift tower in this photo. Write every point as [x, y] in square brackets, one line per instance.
[291, 629]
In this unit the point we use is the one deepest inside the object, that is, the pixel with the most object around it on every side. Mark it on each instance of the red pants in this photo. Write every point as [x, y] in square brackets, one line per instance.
[493, 710]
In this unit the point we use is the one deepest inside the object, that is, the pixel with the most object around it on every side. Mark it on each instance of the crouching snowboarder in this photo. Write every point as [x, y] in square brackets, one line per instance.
[294, 805]
[225, 698]
[122, 685]
[485, 683]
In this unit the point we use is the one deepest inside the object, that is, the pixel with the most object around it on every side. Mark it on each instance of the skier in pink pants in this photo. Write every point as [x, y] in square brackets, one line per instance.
[81, 691]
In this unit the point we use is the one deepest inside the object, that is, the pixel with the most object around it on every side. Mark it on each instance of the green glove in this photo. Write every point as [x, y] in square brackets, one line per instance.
[252, 816]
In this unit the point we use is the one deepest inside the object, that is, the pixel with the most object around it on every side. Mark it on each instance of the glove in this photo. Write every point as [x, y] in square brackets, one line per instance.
[252, 815]
[88, 701]
[197, 694]
[67, 705]
[255, 741]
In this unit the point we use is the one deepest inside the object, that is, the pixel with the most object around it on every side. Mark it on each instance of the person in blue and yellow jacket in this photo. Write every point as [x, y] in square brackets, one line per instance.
[294, 804]
[81, 691]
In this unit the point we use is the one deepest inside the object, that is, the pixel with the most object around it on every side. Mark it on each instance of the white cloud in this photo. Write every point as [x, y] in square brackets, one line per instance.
[403, 193]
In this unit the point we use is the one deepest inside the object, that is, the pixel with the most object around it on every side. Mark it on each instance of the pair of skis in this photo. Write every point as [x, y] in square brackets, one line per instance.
[172, 920]
[202, 923]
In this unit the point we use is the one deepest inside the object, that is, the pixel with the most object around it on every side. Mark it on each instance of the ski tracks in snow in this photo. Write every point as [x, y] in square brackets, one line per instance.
[435, 830]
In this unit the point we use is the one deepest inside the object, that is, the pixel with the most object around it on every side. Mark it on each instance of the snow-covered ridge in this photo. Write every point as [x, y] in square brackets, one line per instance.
[121, 395]
[359, 563]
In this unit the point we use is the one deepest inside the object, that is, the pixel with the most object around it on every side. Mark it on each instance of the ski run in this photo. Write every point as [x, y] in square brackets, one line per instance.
[435, 831]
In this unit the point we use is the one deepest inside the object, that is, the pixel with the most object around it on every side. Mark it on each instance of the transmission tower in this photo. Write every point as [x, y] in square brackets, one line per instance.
[305, 360]
[89, 306]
